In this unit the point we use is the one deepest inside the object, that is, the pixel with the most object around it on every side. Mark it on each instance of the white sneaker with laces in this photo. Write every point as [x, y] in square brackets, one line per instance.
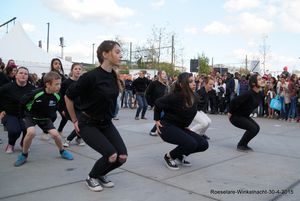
[45, 137]
[80, 142]
[66, 143]
[255, 115]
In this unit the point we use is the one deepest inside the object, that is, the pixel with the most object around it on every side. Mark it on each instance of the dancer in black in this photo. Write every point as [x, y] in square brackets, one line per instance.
[157, 89]
[240, 109]
[180, 108]
[98, 90]
[76, 71]
[10, 95]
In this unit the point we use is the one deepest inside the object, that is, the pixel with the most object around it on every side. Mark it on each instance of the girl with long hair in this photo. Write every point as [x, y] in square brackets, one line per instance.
[180, 108]
[240, 108]
[158, 88]
[98, 90]
[10, 95]
[10, 71]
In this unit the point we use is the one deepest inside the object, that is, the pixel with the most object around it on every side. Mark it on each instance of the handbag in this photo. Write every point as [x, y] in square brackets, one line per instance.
[275, 104]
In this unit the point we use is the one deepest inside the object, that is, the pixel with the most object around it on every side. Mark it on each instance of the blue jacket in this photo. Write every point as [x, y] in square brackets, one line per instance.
[231, 85]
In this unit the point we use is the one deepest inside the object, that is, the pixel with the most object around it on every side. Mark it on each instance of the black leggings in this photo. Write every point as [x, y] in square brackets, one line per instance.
[103, 137]
[188, 141]
[248, 124]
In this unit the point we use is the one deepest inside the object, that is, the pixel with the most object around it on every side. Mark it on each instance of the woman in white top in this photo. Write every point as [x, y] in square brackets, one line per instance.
[220, 88]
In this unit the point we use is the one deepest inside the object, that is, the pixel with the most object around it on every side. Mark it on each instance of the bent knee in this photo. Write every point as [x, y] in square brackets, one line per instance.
[122, 158]
[30, 134]
[113, 158]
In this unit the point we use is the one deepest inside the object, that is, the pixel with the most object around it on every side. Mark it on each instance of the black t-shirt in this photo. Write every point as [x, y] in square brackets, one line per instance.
[10, 95]
[175, 112]
[3, 79]
[203, 98]
[98, 92]
[64, 87]
[245, 103]
[140, 84]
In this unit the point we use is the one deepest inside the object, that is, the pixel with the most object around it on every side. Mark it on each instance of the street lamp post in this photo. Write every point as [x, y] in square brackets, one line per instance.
[93, 54]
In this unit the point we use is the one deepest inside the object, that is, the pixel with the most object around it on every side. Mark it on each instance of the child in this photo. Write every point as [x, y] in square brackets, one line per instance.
[37, 107]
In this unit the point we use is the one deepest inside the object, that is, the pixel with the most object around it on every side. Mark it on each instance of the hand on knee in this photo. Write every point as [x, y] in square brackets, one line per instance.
[113, 158]
[122, 158]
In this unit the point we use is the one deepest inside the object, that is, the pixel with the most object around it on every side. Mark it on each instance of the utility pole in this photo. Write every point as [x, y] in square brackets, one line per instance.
[48, 37]
[246, 65]
[62, 46]
[172, 60]
[130, 52]
[93, 54]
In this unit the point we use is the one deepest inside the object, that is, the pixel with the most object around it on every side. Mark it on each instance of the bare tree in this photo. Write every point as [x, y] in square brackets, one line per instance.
[265, 51]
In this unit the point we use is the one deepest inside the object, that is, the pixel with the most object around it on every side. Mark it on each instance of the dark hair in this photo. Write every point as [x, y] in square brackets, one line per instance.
[253, 81]
[61, 71]
[292, 78]
[273, 79]
[9, 69]
[2, 66]
[107, 46]
[9, 62]
[220, 79]
[49, 77]
[188, 95]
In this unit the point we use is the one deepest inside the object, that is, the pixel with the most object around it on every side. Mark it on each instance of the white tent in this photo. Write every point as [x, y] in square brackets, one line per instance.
[18, 46]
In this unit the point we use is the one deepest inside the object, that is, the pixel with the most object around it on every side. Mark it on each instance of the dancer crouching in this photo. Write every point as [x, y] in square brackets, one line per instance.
[180, 108]
[240, 109]
[202, 120]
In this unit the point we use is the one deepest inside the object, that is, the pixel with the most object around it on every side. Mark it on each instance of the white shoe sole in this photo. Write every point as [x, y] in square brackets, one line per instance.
[97, 189]
[171, 168]
[107, 185]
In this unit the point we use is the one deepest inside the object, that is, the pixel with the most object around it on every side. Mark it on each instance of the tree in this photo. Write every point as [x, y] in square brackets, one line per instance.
[123, 45]
[265, 51]
[203, 64]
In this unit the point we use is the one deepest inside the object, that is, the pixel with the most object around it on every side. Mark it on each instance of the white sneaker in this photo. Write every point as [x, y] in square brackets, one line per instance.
[251, 115]
[66, 143]
[80, 142]
[61, 135]
[9, 149]
[255, 115]
[45, 137]
[93, 184]
[105, 182]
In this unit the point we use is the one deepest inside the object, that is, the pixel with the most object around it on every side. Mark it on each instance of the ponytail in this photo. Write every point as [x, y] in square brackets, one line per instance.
[117, 80]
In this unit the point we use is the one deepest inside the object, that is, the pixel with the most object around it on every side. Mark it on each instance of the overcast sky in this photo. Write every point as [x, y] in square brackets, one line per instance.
[225, 30]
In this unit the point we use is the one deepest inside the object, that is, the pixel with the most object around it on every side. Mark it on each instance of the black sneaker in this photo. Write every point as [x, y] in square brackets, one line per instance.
[243, 148]
[205, 136]
[105, 182]
[182, 160]
[93, 184]
[170, 163]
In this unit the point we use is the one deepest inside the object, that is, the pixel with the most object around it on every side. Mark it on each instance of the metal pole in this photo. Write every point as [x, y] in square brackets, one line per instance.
[246, 65]
[172, 60]
[130, 52]
[48, 37]
[93, 54]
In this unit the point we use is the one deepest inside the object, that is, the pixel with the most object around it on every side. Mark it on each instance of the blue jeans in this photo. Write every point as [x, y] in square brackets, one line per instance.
[154, 127]
[292, 111]
[126, 95]
[14, 125]
[283, 107]
[232, 95]
[141, 99]
[118, 105]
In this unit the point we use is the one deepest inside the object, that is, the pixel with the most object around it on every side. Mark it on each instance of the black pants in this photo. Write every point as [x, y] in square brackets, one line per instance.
[15, 126]
[62, 123]
[73, 134]
[213, 104]
[188, 141]
[220, 103]
[103, 137]
[248, 124]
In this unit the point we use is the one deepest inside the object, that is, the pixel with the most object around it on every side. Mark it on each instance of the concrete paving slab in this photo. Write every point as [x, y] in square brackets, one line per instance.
[274, 165]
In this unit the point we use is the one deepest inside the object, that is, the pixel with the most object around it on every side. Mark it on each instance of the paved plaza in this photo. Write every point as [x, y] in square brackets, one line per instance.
[270, 172]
